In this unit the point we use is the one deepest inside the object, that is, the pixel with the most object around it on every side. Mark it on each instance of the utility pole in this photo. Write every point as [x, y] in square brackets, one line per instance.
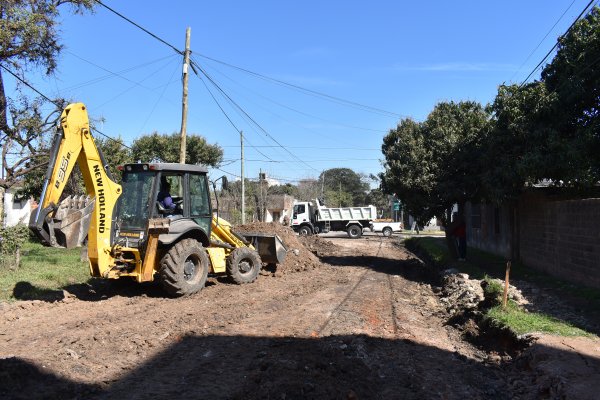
[243, 183]
[322, 183]
[260, 206]
[184, 109]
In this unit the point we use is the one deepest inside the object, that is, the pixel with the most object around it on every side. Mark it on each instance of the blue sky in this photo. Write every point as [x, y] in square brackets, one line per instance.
[398, 56]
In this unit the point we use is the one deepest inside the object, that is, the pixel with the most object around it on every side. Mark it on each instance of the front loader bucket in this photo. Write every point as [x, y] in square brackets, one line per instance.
[270, 247]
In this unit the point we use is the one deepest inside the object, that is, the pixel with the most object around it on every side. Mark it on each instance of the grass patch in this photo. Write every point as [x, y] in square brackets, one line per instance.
[521, 322]
[485, 266]
[43, 270]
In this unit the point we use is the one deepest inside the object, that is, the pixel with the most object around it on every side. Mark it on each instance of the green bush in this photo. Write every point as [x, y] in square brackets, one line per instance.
[12, 239]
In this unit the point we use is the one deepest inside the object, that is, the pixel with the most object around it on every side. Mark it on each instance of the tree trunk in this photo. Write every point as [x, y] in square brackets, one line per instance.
[2, 190]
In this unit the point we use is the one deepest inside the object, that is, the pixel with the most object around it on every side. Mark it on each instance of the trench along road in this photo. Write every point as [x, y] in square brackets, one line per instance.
[365, 324]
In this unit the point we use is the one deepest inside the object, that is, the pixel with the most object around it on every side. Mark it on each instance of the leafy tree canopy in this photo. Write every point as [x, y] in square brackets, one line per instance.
[29, 40]
[165, 148]
[434, 164]
[343, 186]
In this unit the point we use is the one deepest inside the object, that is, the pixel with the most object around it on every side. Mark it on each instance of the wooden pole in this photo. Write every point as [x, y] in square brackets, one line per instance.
[184, 108]
[505, 298]
[243, 183]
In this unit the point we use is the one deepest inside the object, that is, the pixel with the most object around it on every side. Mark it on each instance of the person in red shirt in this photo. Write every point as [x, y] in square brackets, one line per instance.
[460, 232]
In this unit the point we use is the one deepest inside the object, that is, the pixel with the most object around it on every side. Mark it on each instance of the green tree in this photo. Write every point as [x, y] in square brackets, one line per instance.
[573, 77]
[435, 164]
[343, 186]
[29, 41]
[520, 148]
[165, 148]
[288, 189]
[116, 153]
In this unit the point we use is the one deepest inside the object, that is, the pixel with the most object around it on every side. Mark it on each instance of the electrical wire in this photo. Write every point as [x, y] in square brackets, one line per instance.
[544, 38]
[338, 100]
[57, 104]
[298, 111]
[556, 44]
[140, 27]
[249, 117]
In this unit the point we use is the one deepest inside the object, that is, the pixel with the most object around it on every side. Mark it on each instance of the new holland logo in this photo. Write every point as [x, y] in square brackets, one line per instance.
[101, 199]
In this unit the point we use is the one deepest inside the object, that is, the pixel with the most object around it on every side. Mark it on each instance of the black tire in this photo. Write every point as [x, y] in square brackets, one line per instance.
[304, 231]
[387, 231]
[184, 269]
[243, 265]
[354, 231]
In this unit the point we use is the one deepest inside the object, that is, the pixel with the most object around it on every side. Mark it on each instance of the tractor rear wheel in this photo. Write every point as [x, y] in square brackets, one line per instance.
[184, 269]
[243, 265]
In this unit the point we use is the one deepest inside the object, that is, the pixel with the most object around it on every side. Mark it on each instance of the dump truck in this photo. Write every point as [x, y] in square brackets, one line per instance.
[313, 217]
[130, 234]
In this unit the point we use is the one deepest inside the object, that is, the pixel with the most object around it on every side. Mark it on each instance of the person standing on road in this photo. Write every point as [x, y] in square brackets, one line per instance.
[460, 232]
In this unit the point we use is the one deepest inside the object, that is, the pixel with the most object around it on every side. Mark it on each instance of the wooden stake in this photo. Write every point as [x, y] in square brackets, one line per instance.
[505, 299]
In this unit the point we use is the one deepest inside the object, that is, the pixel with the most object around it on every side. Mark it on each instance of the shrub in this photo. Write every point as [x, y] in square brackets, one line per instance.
[12, 239]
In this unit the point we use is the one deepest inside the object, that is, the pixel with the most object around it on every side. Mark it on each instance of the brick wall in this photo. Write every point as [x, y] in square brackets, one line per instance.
[561, 236]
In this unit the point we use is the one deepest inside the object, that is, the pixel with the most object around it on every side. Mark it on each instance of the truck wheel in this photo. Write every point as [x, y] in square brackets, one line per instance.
[184, 269]
[304, 231]
[354, 231]
[243, 265]
[387, 231]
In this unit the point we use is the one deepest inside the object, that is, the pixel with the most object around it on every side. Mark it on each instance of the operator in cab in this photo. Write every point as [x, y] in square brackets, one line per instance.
[164, 195]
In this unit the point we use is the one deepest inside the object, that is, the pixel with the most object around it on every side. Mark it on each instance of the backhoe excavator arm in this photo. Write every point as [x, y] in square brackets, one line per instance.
[73, 143]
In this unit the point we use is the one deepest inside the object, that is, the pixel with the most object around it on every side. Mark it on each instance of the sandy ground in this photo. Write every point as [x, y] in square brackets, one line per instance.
[361, 322]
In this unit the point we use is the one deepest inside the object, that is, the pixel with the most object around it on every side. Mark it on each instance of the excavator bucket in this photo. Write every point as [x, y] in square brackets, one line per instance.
[72, 221]
[270, 247]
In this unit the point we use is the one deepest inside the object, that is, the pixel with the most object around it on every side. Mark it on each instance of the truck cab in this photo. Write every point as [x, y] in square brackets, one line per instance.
[303, 218]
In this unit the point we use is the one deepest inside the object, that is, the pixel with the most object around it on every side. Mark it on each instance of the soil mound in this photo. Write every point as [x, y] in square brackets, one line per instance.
[298, 258]
[319, 246]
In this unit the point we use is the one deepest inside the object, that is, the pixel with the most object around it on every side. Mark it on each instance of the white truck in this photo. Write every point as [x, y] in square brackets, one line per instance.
[312, 217]
[386, 227]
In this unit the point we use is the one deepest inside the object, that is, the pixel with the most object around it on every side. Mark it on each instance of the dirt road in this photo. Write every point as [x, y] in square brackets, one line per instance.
[364, 324]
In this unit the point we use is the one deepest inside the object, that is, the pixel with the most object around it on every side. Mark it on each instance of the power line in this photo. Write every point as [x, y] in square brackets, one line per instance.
[248, 116]
[317, 148]
[299, 111]
[224, 113]
[306, 90]
[140, 27]
[338, 100]
[57, 104]
[556, 44]
[544, 38]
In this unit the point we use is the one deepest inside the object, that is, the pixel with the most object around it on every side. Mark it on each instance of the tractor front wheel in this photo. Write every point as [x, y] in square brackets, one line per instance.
[184, 269]
[243, 265]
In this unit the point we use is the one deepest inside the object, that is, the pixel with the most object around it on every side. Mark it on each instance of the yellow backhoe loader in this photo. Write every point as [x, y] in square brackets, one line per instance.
[133, 235]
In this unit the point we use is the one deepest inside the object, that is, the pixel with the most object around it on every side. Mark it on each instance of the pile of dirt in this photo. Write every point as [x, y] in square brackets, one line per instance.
[319, 246]
[298, 258]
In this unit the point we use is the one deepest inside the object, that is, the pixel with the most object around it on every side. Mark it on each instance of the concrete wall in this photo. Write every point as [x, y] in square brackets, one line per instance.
[561, 237]
[491, 231]
[15, 212]
[550, 233]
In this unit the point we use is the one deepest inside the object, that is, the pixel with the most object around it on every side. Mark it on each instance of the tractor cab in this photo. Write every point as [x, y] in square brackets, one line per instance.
[178, 192]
